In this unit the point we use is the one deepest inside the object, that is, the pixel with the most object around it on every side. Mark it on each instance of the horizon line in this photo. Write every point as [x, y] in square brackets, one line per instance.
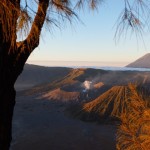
[75, 61]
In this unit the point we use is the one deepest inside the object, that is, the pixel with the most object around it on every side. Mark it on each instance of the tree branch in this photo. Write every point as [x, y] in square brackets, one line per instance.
[33, 38]
[24, 48]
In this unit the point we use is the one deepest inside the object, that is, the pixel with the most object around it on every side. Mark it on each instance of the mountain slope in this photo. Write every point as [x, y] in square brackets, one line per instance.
[142, 62]
[61, 95]
[33, 75]
[71, 82]
[75, 79]
[111, 104]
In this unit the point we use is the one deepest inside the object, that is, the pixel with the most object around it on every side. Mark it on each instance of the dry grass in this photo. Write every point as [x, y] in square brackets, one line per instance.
[134, 132]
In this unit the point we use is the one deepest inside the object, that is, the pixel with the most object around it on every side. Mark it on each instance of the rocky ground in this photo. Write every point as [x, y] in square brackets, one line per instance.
[40, 124]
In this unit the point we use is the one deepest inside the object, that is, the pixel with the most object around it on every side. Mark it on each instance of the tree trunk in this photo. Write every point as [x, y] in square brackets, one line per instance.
[13, 56]
[8, 75]
[7, 102]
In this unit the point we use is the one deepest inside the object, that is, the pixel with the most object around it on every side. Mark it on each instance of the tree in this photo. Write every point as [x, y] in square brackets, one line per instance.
[19, 16]
[15, 15]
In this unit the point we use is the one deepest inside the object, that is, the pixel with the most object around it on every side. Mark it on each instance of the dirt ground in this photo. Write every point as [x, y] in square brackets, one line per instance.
[40, 124]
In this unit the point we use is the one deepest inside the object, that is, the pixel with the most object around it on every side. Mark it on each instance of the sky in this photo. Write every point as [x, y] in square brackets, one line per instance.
[91, 40]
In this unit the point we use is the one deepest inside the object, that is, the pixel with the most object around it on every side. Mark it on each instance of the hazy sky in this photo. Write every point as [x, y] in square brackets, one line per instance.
[92, 40]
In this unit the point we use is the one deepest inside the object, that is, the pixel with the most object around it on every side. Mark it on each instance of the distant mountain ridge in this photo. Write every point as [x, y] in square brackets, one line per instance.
[142, 62]
[34, 75]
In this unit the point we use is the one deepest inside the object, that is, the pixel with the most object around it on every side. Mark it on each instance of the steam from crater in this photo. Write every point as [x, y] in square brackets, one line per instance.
[87, 85]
